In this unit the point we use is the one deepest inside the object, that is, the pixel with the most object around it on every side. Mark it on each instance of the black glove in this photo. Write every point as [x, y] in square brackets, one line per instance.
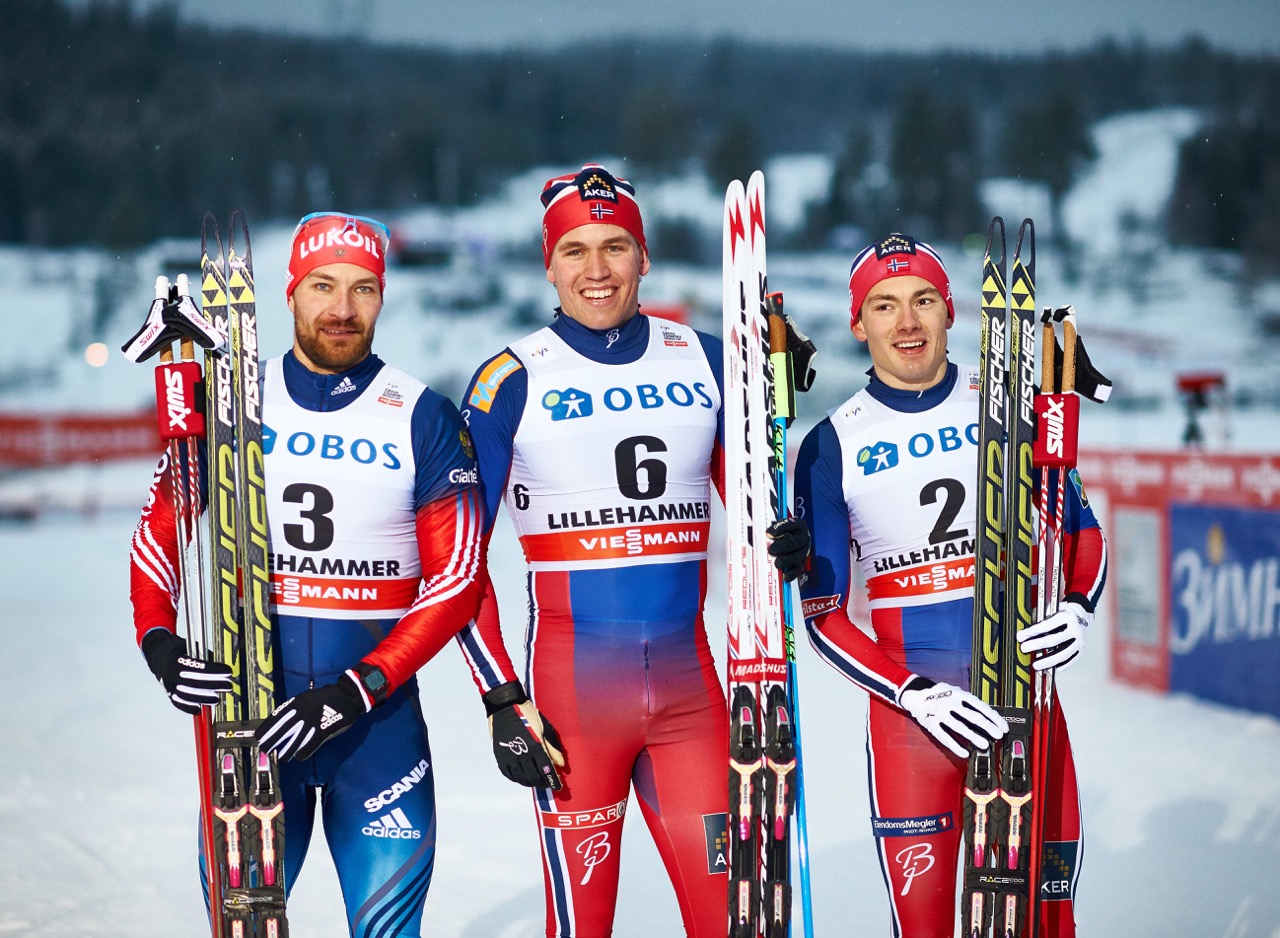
[525, 744]
[802, 351]
[302, 724]
[789, 546]
[191, 683]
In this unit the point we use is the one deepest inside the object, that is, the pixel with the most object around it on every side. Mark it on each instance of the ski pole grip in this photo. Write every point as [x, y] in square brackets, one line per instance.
[777, 324]
[1069, 354]
[1048, 345]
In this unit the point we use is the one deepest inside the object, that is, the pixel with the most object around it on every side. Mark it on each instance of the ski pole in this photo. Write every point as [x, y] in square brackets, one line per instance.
[784, 413]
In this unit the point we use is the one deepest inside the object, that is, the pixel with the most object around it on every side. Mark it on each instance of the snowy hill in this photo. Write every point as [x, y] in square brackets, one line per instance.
[97, 794]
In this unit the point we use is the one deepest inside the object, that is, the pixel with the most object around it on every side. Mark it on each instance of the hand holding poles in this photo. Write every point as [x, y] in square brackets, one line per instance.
[526, 746]
[954, 717]
[191, 681]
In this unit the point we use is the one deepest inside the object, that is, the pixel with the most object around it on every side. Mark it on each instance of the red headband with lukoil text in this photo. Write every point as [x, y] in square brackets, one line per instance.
[334, 238]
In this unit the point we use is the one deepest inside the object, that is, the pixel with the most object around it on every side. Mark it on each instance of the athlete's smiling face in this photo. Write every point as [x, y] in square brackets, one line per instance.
[334, 309]
[596, 270]
[904, 323]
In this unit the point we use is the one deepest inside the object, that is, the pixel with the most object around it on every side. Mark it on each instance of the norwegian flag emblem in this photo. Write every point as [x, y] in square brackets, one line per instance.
[895, 264]
[598, 211]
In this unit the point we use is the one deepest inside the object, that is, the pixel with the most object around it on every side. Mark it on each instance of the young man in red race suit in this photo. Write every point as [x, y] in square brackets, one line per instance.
[603, 435]
[888, 477]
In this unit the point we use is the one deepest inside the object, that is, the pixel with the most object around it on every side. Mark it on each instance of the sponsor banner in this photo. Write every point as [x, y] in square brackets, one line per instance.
[716, 829]
[581, 820]
[817, 605]
[291, 592]
[758, 669]
[1136, 539]
[1058, 869]
[924, 580]
[489, 380]
[1224, 597]
[32, 441]
[1190, 543]
[617, 543]
[912, 826]
[1190, 476]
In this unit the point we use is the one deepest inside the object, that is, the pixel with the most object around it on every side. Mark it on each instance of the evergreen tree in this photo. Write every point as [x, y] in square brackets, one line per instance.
[1048, 140]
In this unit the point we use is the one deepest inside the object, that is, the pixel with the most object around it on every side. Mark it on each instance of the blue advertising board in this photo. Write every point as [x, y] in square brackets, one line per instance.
[1224, 602]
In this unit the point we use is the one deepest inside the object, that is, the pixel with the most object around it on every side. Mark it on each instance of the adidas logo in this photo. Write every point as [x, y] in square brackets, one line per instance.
[345, 386]
[329, 717]
[392, 825]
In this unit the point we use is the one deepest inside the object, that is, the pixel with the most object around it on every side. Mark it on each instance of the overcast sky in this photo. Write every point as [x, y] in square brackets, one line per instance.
[909, 26]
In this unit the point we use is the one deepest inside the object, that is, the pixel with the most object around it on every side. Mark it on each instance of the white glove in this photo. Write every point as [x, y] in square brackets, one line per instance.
[951, 716]
[1058, 638]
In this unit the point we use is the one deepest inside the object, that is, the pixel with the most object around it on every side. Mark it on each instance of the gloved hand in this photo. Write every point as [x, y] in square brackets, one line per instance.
[191, 683]
[525, 744]
[789, 546]
[1058, 637]
[302, 724]
[952, 716]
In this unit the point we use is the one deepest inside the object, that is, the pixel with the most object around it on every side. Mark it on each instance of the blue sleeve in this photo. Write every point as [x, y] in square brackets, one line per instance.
[444, 460]
[1077, 512]
[819, 499]
[492, 410]
[713, 348]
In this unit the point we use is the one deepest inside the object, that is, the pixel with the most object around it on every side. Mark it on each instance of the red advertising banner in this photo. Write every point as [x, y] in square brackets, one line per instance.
[32, 441]
[1141, 491]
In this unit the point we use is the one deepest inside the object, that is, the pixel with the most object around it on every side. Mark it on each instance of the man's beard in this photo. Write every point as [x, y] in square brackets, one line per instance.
[331, 355]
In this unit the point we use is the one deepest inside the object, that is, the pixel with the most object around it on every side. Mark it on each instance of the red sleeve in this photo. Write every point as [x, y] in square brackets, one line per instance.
[856, 655]
[481, 641]
[1085, 563]
[717, 467]
[449, 548]
[153, 559]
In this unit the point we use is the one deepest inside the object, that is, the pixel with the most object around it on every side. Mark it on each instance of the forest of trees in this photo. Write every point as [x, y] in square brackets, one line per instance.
[118, 126]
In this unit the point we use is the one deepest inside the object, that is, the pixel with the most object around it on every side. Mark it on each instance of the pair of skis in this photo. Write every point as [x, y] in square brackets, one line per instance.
[1017, 581]
[764, 734]
[224, 592]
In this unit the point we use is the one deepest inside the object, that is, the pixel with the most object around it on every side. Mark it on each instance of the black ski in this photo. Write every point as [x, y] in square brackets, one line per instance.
[260, 893]
[999, 795]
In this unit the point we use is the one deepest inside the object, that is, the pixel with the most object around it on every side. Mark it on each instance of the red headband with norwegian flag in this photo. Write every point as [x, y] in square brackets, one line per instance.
[898, 255]
[591, 196]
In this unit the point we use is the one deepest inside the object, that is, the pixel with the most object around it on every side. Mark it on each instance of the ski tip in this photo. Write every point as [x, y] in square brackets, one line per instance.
[239, 228]
[1027, 236]
[996, 237]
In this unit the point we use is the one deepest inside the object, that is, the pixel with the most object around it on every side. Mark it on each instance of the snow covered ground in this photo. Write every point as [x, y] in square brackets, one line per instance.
[97, 790]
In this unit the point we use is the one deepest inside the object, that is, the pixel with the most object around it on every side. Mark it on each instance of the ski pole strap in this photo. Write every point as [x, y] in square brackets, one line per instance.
[1087, 380]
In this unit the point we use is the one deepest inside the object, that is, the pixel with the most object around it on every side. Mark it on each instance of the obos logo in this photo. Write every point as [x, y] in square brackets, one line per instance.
[880, 456]
[567, 404]
[877, 457]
